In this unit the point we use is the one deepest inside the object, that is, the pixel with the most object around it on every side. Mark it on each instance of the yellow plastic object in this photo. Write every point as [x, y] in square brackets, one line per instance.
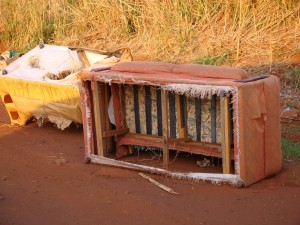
[25, 98]
[29, 90]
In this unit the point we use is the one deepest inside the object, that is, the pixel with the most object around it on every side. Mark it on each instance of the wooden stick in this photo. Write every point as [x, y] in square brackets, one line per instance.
[148, 109]
[162, 186]
[122, 105]
[182, 130]
[136, 108]
[107, 121]
[116, 132]
[115, 91]
[165, 127]
[178, 144]
[225, 137]
[103, 112]
[213, 114]
[98, 117]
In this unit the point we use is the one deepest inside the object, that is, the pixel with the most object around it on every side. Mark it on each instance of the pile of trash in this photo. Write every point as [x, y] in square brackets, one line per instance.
[44, 64]
[8, 57]
[43, 83]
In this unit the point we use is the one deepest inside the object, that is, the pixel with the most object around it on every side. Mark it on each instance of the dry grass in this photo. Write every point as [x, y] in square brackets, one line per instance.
[247, 32]
[262, 36]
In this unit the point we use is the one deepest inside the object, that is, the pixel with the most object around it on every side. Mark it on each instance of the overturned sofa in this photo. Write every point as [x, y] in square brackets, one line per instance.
[200, 109]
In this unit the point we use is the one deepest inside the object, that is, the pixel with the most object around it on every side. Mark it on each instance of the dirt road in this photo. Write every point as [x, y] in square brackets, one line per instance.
[43, 180]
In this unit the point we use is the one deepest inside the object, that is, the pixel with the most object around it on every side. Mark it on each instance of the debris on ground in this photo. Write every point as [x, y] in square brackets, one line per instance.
[289, 114]
[204, 163]
[162, 186]
[8, 57]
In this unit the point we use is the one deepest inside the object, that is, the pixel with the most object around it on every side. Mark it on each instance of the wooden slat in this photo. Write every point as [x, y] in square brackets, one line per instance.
[103, 114]
[165, 127]
[198, 117]
[172, 113]
[115, 91]
[156, 138]
[117, 132]
[117, 105]
[184, 110]
[136, 108]
[180, 117]
[178, 175]
[225, 135]
[122, 105]
[97, 117]
[148, 109]
[214, 119]
[158, 106]
[179, 144]
[108, 125]
[171, 140]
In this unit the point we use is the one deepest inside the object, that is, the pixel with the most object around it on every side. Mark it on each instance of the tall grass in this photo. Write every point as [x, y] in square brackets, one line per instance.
[248, 32]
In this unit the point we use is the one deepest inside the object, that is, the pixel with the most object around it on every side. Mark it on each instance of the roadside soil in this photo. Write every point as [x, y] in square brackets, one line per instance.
[43, 180]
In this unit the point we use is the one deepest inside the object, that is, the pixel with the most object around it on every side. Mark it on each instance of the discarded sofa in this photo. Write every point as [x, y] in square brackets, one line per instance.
[43, 83]
[162, 105]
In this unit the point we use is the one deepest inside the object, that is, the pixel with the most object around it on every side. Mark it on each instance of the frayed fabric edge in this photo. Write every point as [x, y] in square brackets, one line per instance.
[236, 130]
[200, 91]
[88, 118]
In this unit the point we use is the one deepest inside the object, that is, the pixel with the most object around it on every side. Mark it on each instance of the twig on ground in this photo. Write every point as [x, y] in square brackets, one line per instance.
[162, 186]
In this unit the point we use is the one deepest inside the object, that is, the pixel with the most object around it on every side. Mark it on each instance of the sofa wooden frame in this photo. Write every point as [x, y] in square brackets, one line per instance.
[100, 95]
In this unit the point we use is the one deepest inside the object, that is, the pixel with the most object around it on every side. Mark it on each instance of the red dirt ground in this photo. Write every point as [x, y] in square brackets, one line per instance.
[43, 180]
